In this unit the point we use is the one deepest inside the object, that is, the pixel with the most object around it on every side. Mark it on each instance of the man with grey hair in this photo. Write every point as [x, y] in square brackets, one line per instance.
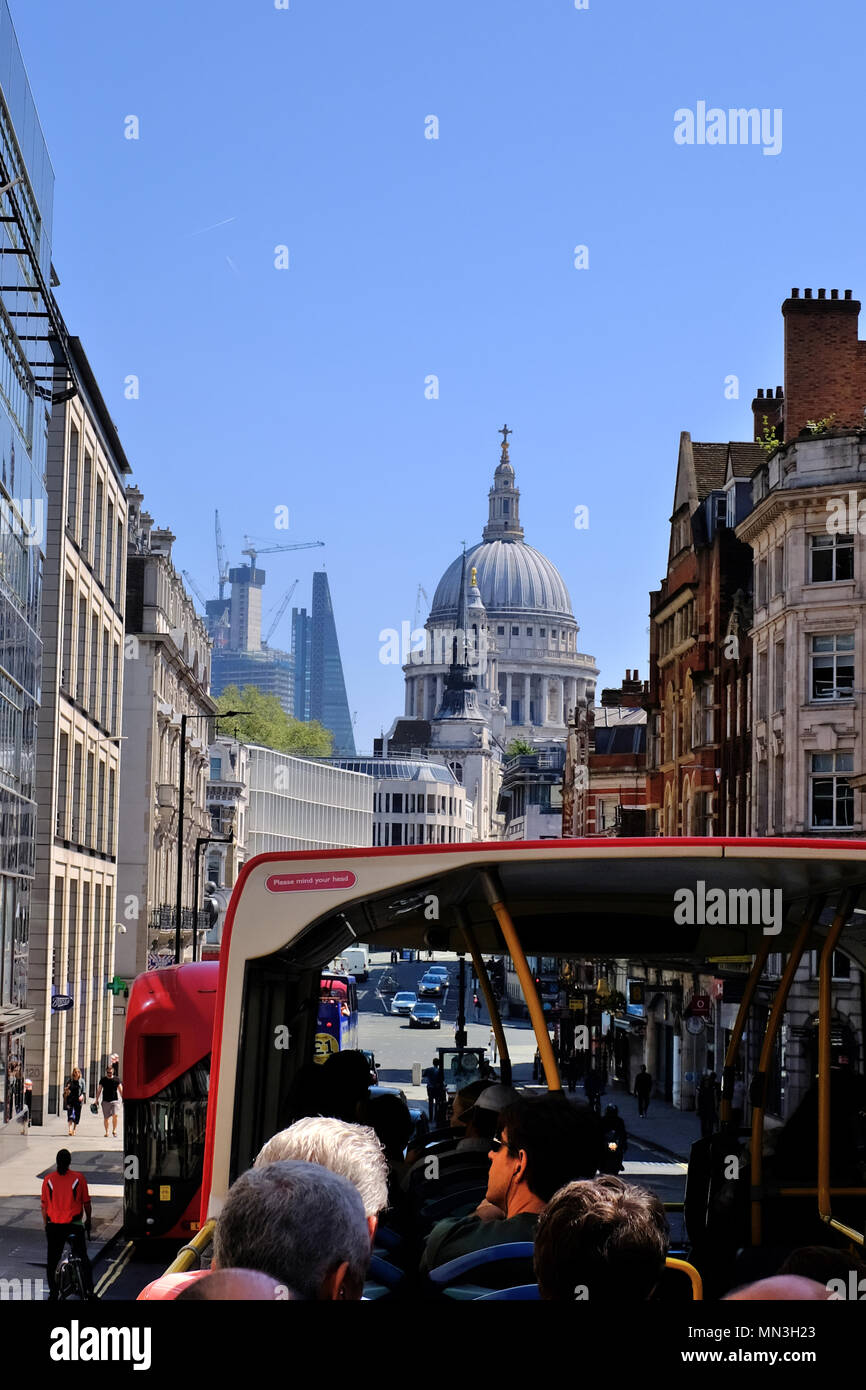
[299, 1223]
[353, 1151]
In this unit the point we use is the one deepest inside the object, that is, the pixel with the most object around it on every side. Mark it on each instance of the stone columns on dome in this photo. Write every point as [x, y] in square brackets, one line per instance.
[508, 697]
[525, 711]
[440, 685]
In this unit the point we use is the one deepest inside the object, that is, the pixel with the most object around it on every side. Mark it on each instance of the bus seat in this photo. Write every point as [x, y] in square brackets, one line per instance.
[494, 1267]
[382, 1272]
[388, 1239]
[520, 1293]
[461, 1202]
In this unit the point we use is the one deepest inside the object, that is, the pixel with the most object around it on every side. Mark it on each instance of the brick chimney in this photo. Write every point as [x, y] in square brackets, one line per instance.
[771, 406]
[825, 362]
[628, 696]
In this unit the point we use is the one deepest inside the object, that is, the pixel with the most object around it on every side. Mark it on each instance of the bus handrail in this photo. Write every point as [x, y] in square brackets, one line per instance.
[190, 1255]
[694, 1277]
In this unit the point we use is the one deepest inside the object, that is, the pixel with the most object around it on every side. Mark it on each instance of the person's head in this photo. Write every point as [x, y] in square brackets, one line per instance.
[437, 1061]
[64, 1160]
[353, 1151]
[236, 1286]
[76, 1074]
[299, 1223]
[464, 1102]
[543, 1143]
[643, 1066]
[388, 1114]
[481, 1119]
[822, 1263]
[604, 1235]
[786, 1288]
[346, 1077]
[611, 1112]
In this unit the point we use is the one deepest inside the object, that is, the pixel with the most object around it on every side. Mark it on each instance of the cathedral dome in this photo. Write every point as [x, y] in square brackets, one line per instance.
[512, 576]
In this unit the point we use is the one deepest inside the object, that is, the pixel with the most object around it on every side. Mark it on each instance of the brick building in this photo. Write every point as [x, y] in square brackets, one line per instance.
[698, 701]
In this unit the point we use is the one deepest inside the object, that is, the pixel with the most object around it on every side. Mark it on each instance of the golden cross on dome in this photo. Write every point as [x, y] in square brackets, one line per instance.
[505, 432]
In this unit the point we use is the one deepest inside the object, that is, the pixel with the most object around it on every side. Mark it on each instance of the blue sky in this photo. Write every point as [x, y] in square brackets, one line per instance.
[411, 257]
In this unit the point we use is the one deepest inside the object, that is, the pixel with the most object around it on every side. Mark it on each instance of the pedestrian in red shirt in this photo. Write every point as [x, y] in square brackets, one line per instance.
[67, 1212]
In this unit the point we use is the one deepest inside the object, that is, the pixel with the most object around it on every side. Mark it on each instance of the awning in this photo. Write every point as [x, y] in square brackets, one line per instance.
[11, 1019]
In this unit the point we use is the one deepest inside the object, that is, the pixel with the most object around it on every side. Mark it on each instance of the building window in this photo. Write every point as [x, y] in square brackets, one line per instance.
[779, 568]
[760, 583]
[216, 769]
[553, 632]
[396, 834]
[501, 631]
[397, 802]
[832, 798]
[832, 663]
[840, 969]
[779, 676]
[542, 632]
[832, 558]
[515, 632]
[529, 632]
[762, 678]
[778, 793]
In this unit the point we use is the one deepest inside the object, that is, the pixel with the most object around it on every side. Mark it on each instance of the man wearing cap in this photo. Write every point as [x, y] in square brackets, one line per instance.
[543, 1143]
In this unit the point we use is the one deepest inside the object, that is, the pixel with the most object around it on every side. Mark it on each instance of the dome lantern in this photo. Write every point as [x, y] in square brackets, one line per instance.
[503, 522]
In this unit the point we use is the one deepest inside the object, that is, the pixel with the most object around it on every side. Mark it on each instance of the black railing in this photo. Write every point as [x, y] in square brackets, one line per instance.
[165, 919]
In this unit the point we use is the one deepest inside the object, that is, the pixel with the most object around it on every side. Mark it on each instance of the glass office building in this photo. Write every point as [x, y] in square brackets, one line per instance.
[320, 689]
[32, 354]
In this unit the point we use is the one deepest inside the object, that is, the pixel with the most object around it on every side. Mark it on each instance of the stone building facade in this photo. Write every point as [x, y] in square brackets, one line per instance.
[166, 675]
[78, 746]
[809, 651]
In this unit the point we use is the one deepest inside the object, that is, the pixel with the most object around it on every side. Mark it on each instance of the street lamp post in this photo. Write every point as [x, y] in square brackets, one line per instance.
[178, 906]
[203, 840]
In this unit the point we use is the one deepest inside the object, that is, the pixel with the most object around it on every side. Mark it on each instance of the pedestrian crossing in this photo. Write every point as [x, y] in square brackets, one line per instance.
[646, 1168]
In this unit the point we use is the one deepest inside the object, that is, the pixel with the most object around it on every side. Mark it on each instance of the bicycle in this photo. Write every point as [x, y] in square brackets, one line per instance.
[71, 1278]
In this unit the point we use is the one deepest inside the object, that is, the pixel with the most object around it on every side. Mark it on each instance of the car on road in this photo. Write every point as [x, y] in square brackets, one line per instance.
[441, 971]
[431, 984]
[403, 1002]
[424, 1015]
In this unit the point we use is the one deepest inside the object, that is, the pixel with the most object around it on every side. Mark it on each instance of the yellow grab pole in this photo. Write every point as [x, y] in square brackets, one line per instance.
[492, 1007]
[191, 1254]
[847, 904]
[810, 917]
[493, 893]
[739, 1028]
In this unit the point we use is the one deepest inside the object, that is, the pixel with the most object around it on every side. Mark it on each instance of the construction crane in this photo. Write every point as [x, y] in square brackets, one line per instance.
[422, 593]
[253, 550]
[284, 603]
[196, 590]
[222, 563]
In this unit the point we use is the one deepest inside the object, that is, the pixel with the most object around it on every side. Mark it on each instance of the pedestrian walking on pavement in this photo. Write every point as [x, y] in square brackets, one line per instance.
[28, 1098]
[66, 1212]
[74, 1096]
[111, 1092]
[492, 1050]
[643, 1089]
[476, 1004]
[594, 1088]
[707, 1104]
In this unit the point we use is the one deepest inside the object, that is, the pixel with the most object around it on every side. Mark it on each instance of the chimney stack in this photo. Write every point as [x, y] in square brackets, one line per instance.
[825, 362]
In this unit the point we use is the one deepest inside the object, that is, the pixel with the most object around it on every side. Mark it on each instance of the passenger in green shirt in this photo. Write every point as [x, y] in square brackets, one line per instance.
[543, 1143]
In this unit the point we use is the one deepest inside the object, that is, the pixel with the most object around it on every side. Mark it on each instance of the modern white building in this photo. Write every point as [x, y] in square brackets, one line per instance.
[415, 802]
[301, 803]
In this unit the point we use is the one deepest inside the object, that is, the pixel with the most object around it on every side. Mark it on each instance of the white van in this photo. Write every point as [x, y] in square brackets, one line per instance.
[357, 960]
